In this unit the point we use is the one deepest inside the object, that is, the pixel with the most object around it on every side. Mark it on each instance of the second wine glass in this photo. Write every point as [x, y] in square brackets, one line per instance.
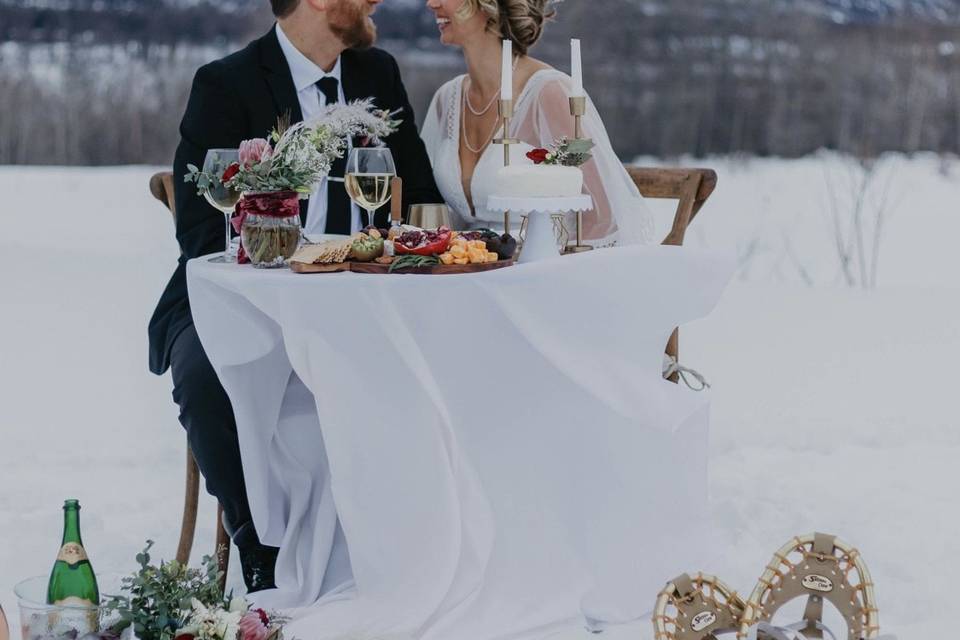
[219, 196]
[368, 176]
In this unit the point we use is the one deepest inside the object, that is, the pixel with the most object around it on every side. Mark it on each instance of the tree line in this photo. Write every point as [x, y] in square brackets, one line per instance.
[703, 77]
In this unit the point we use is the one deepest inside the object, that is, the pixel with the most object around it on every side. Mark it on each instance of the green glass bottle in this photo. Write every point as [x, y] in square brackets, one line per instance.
[72, 581]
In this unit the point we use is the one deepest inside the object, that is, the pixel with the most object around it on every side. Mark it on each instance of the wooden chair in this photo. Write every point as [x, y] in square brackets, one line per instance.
[692, 187]
[161, 186]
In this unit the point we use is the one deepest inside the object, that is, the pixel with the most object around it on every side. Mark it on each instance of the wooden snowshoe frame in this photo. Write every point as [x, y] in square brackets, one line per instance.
[817, 567]
[696, 608]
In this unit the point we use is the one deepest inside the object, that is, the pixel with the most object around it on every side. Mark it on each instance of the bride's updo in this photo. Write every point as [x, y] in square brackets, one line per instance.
[520, 21]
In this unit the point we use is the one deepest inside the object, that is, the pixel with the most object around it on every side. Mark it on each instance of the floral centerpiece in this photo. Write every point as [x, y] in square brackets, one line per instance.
[170, 601]
[564, 152]
[274, 173]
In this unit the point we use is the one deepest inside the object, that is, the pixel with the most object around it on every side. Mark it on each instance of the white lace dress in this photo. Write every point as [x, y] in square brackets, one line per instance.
[541, 116]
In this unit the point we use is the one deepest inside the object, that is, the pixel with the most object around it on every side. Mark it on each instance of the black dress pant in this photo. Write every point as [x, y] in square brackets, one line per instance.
[206, 414]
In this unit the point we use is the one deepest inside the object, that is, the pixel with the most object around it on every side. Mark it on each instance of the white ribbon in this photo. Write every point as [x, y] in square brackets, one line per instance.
[671, 366]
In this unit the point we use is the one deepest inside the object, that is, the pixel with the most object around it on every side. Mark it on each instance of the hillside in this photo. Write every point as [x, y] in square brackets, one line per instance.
[767, 77]
[232, 20]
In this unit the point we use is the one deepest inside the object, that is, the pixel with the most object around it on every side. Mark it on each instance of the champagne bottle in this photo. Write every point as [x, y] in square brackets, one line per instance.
[72, 581]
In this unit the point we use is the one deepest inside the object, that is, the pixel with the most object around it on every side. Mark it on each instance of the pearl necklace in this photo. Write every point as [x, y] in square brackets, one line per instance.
[496, 124]
[466, 93]
[483, 145]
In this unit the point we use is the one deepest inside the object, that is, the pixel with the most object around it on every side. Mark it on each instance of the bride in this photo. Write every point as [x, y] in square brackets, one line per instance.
[463, 121]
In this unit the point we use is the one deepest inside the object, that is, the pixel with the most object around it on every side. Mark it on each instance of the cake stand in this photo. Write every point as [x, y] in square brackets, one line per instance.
[539, 243]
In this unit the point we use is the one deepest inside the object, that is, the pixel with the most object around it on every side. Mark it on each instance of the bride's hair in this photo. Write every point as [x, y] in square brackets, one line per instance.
[520, 21]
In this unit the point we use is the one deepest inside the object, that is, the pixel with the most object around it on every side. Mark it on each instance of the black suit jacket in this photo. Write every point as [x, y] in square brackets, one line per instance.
[240, 97]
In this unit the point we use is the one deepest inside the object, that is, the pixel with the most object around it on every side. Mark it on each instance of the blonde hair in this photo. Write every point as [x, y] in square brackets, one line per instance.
[520, 21]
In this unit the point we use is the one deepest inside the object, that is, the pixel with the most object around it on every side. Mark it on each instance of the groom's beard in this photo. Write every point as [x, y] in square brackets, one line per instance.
[351, 24]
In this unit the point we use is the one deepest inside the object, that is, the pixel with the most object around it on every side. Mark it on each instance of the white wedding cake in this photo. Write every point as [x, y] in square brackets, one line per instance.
[538, 181]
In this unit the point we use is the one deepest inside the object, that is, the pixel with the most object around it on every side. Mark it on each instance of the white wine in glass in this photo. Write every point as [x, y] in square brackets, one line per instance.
[369, 190]
[219, 196]
[370, 171]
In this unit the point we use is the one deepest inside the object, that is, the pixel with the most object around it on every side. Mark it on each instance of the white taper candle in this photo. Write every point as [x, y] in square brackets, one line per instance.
[506, 72]
[577, 66]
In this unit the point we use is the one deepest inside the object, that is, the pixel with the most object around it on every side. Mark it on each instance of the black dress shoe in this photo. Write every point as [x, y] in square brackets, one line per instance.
[257, 561]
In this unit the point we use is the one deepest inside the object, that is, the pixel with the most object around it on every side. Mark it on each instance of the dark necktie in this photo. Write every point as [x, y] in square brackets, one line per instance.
[338, 202]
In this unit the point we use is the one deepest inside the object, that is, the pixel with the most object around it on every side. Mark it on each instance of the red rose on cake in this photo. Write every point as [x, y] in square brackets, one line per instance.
[539, 156]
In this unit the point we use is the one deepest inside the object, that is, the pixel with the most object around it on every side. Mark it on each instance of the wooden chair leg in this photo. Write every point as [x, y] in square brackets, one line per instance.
[4, 629]
[223, 550]
[673, 349]
[188, 526]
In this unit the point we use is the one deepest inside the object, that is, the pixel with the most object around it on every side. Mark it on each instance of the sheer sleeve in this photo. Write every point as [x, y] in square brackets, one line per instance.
[432, 129]
[620, 214]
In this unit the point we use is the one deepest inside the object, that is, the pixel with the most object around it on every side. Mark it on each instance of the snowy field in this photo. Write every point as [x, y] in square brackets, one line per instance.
[833, 407]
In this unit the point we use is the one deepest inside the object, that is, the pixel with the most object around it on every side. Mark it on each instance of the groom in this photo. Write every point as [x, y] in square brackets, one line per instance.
[317, 54]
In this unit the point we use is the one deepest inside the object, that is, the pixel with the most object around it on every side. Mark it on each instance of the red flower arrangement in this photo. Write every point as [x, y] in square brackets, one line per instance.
[565, 152]
[539, 156]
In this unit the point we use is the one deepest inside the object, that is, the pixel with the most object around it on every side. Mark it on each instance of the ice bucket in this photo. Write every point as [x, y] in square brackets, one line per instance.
[42, 621]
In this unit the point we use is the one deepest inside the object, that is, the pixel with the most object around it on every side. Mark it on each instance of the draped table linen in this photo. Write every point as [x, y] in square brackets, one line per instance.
[467, 457]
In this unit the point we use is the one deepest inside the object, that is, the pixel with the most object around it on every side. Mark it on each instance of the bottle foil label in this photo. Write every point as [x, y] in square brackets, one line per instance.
[72, 553]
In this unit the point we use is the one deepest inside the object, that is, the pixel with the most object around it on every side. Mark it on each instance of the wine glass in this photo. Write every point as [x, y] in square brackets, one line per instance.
[368, 176]
[219, 196]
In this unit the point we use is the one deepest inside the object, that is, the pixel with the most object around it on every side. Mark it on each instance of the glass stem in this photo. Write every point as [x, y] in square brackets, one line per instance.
[226, 250]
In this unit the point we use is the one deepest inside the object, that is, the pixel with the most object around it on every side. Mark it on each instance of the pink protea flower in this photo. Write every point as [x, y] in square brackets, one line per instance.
[254, 151]
[253, 626]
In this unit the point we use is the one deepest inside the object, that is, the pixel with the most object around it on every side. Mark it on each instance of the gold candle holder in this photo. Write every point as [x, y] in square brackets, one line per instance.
[578, 108]
[506, 114]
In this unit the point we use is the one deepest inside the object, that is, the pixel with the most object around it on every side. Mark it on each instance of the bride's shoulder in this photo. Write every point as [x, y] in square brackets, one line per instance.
[549, 83]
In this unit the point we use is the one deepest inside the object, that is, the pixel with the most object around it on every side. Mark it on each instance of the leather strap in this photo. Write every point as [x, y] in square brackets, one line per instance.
[823, 544]
[684, 585]
[813, 615]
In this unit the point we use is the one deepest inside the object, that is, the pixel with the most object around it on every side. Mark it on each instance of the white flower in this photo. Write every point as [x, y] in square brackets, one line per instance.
[239, 604]
[207, 624]
[230, 621]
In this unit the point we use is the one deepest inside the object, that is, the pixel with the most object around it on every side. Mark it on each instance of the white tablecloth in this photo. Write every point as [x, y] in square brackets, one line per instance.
[499, 449]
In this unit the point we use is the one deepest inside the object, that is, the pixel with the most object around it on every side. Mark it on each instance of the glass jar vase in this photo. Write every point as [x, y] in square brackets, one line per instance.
[269, 227]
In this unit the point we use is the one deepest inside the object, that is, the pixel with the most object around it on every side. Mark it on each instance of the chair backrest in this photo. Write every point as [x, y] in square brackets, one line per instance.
[691, 187]
[161, 186]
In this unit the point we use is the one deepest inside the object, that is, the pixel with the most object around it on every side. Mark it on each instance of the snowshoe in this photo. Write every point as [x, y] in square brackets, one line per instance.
[820, 568]
[697, 608]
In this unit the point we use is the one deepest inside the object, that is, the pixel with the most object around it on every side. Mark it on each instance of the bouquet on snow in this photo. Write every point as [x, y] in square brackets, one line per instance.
[173, 602]
[274, 173]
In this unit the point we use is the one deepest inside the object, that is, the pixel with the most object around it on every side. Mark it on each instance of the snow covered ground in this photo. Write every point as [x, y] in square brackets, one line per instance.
[834, 407]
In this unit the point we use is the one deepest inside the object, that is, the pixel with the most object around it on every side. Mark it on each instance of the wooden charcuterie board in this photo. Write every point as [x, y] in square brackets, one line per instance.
[373, 267]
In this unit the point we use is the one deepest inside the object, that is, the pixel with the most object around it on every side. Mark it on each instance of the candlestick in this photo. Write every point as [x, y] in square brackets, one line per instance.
[506, 71]
[506, 114]
[578, 108]
[576, 65]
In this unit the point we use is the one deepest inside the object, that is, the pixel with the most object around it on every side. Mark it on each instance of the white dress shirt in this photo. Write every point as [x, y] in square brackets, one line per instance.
[306, 74]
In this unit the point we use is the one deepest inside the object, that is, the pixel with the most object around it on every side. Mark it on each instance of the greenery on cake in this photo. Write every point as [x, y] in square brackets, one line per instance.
[564, 152]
